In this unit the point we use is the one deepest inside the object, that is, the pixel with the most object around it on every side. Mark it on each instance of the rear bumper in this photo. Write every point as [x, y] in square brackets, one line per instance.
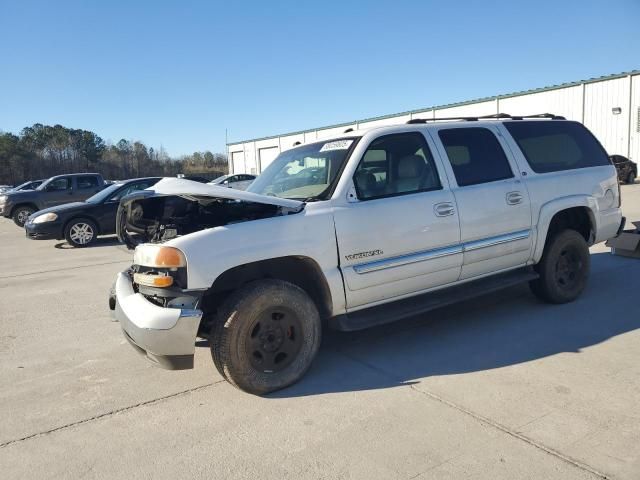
[608, 224]
[166, 336]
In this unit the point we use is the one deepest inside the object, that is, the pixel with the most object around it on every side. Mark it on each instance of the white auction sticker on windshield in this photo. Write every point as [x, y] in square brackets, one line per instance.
[336, 145]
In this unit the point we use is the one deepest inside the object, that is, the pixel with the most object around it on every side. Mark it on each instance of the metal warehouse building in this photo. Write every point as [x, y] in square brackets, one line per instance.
[609, 106]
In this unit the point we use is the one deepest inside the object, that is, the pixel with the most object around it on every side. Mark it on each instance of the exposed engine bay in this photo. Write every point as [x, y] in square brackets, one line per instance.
[146, 217]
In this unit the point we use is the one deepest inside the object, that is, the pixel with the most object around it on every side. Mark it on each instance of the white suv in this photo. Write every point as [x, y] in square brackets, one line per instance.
[360, 230]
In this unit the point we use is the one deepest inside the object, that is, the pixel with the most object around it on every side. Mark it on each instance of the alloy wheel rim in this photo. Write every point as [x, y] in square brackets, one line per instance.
[274, 340]
[81, 233]
[23, 215]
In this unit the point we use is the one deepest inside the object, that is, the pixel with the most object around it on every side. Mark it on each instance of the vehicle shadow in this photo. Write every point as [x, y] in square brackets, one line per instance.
[110, 241]
[505, 328]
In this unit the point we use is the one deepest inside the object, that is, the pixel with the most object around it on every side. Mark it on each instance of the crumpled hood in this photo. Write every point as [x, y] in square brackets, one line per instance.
[176, 207]
[193, 190]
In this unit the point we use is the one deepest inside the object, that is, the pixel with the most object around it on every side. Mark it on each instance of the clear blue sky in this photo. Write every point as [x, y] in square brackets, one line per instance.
[177, 73]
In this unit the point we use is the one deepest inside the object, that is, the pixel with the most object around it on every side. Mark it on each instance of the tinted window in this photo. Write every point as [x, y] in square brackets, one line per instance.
[134, 187]
[87, 182]
[395, 165]
[550, 146]
[475, 155]
[59, 184]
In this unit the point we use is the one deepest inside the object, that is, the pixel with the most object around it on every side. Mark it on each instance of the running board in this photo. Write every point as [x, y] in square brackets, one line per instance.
[409, 307]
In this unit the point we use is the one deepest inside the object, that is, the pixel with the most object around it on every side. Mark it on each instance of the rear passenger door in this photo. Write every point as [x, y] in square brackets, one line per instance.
[86, 186]
[493, 202]
[399, 233]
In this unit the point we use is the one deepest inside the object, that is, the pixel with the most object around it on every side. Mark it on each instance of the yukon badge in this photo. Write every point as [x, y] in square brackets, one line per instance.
[370, 253]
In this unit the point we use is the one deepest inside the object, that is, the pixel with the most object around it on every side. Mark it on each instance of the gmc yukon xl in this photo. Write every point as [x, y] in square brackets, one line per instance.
[358, 230]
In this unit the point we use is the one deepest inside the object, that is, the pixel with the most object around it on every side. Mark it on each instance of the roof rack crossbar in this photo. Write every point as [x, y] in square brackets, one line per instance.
[494, 116]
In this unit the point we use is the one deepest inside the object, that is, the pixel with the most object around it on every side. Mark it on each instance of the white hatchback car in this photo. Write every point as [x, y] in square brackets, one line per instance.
[239, 181]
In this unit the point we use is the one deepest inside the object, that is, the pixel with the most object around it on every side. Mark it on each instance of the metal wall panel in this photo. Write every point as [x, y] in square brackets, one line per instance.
[334, 131]
[287, 142]
[599, 101]
[566, 102]
[634, 123]
[469, 110]
[395, 120]
[591, 102]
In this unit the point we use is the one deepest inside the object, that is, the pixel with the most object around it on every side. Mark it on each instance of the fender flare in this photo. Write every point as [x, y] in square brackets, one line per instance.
[549, 209]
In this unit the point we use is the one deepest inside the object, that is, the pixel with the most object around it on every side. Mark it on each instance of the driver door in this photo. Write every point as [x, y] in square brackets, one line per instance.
[401, 235]
[59, 191]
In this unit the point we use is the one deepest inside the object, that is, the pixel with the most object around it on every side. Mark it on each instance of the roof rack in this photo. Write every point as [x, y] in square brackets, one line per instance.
[495, 116]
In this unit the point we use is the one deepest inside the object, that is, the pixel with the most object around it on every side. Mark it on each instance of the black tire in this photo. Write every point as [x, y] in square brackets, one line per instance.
[631, 178]
[80, 232]
[21, 214]
[266, 335]
[563, 268]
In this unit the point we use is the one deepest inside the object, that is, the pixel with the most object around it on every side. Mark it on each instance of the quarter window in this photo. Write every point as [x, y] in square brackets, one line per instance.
[396, 165]
[551, 146]
[475, 155]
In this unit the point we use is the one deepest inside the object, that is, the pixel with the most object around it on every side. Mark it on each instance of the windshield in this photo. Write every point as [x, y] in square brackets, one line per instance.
[304, 173]
[219, 180]
[105, 194]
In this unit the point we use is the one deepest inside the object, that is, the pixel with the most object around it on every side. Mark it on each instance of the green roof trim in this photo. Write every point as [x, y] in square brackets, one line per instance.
[448, 105]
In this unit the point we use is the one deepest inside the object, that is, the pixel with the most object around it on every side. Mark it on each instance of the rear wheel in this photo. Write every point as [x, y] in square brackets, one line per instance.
[563, 268]
[21, 214]
[266, 335]
[631, 178]
[80, 232]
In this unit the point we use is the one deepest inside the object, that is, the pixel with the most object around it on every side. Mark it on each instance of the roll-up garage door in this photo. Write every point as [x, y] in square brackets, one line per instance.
[267, 155]
[237, 160]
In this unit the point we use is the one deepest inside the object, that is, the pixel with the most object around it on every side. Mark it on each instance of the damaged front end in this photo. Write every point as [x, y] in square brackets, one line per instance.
[175, 207]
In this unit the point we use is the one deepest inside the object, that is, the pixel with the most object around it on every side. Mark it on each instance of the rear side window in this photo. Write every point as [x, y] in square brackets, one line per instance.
[551, 146]
[87, 182]
[475, 155]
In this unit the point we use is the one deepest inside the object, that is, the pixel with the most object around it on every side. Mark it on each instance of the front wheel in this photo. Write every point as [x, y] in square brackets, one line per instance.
[21, 214]
[266, 335]
[80, 232]
[563, 268]
[631, 178]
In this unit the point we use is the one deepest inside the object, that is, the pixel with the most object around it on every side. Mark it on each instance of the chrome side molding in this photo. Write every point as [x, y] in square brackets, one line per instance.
[440, 252]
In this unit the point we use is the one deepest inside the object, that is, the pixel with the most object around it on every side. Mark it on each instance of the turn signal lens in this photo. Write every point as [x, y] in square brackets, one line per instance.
[153, 280]
[159, 257]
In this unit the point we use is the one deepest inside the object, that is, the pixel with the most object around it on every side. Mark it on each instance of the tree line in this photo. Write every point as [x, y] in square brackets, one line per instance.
[41, 151]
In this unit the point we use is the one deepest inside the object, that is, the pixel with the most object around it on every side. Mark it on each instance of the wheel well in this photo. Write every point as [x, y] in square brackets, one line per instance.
[26, 204]
[575, 218]
[301, 271]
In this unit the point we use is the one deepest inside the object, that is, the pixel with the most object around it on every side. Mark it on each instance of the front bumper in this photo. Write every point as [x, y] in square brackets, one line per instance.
[166, 336]
[5, 210]
[44, 231]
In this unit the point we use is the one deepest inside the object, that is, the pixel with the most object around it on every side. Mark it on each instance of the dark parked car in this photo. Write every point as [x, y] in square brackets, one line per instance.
[627, 170]
[74, 187]
[81, 222]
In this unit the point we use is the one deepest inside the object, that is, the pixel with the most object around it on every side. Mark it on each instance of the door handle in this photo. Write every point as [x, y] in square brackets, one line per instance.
[514, 198]
[444, 209]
